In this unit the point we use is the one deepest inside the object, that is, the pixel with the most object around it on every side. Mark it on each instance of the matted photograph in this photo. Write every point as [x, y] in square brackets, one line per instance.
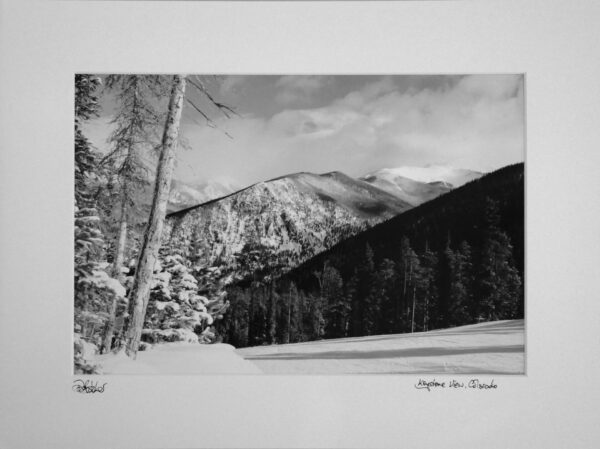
[299, 224]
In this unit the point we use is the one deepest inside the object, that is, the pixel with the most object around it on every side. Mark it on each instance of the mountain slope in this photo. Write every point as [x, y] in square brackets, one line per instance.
[411, 191]
[457, 259]
[456, 177]
[276, 224]
[458, 215]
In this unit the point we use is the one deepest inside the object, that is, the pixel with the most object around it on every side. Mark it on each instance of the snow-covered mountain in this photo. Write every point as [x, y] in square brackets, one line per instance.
[277, 224]
[414, 185]
[456, 177]
[417, 185]
[411, 191]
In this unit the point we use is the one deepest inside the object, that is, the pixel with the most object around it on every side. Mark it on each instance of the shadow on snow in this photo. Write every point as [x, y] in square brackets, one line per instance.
[381, 354]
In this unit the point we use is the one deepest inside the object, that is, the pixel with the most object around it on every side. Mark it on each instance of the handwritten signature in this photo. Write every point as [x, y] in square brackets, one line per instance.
[476, 384]
[87, 386]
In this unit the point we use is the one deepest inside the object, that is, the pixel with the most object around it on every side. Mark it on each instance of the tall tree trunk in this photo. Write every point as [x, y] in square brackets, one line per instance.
[140, 292]
[289, 317]
[403, 301]
[116, 273]
[405, 284]
[271, 314]
[412, 326]
[250, 337]
[426, 314]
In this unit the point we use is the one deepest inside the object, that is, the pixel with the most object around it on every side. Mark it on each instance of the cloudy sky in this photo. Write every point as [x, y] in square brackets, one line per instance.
[354, 124]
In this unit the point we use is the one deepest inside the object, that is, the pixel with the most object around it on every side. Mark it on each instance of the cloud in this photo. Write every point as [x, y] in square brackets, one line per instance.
[474, 122]
[299, 88]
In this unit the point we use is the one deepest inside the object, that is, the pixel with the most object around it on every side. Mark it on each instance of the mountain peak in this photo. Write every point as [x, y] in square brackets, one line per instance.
[429, 174]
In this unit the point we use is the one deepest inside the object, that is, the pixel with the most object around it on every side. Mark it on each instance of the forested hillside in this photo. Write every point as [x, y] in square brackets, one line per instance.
[458, 259]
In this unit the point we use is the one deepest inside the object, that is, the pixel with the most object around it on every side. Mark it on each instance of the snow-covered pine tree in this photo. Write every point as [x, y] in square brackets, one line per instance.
[176, 311]
[94, 288]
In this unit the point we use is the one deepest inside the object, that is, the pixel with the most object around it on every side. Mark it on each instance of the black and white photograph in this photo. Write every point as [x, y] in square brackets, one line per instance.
[299, 224]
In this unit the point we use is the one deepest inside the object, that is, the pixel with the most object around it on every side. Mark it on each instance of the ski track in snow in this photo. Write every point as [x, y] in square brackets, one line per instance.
[485, 348]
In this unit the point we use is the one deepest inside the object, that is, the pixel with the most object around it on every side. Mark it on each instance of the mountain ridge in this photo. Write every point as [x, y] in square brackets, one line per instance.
[277, 223]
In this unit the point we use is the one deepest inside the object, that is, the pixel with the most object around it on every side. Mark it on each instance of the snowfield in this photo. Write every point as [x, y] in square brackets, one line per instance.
[487, 348]
[179, 358]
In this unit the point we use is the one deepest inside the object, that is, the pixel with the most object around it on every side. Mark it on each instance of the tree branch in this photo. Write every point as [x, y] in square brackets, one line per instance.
[209, 121]
[226, 110]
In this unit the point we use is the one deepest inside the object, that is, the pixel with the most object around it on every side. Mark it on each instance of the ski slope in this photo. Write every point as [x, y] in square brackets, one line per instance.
[178, 358]
[485, 348]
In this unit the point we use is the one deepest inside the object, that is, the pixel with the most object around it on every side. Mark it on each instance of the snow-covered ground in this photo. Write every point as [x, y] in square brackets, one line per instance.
[486, 348]
[179, 358]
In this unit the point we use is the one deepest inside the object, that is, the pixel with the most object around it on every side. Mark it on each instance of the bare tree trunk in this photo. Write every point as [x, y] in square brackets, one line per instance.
[140, 292]
[116, 273]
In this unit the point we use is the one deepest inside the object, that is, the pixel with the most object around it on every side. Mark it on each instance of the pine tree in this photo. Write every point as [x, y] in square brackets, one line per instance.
[94, 288]
[384, 288]
[133, 141]
[499, 283]
[362, 298]
[291, 305]
[235, 323]
[428, 286]
[415, 282]
[337, 307]
[441, 318]
[407, 273]
[316, 318]
[89, 241]
[176, 311]
[461, 308]
[272, 304]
